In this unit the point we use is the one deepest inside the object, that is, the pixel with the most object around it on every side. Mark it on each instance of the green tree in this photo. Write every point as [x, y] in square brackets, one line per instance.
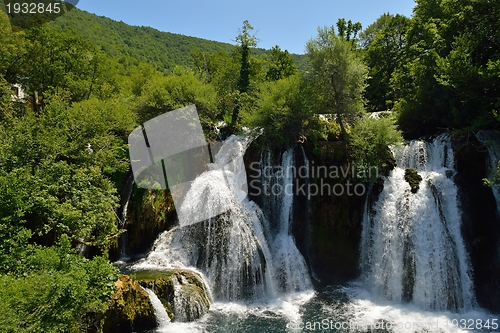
[369, 143]
[338, 74]
[281, 110]
[56, 290]
[166, 93]
[348, 30]
[384, 43]
[449, 77]
[60, 63]
[246, 41]
[12, 46]
[281, 65]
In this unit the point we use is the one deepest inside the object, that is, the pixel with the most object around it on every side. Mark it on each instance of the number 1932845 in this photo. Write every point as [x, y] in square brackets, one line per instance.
[33, 8]
[473, 324]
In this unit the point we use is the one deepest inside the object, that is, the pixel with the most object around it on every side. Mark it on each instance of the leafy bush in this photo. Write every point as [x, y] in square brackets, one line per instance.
[166, 93]
[280, 110]
[57, 291]
[369, 142]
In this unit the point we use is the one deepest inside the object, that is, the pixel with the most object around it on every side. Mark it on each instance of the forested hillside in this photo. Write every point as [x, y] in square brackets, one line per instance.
[132, 45]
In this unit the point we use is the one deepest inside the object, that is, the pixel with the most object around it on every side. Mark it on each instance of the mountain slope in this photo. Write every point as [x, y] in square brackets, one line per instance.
[133, 44]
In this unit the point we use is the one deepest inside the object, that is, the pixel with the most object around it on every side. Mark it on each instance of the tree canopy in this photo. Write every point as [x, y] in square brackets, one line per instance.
[338, 74]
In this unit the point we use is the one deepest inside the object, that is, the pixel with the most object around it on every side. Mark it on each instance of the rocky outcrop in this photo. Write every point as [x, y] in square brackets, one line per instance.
[414, 179]
[480, 220]
[130, 308]
[150, 212]
[183, 293]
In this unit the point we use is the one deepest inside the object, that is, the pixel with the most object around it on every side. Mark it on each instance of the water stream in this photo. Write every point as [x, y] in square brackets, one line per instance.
[160, 313]
[416, 275]
[412, 247]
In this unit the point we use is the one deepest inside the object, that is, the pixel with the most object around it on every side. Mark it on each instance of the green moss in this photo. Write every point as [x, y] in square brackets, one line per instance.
[414, 179]
[147, 217]
[162, 283]
[130, 306]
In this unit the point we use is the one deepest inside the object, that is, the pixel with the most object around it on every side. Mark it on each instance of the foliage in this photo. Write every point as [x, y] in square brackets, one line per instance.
[348, 30]
[495, 178]
[281, 65]
[384, 43]
[338, 75]
[449, 76]
[56, 291]
[246, 42]
[281, 111]
[64, 162]
[369, 141]
[161, 94]
[134, 45]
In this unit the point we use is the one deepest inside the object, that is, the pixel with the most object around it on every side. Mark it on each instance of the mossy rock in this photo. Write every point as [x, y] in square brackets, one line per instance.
[150, 213]
[130, 308]
[414, 179]
[182, 292]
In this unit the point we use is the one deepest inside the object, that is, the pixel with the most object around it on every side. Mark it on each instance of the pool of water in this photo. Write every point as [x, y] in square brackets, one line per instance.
[349, 308]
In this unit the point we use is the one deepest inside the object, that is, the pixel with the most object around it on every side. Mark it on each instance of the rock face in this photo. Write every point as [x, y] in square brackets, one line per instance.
[183, 293]
[130, 308]
[414, 179]
[480, 219]
[330, 240]
[151, 212]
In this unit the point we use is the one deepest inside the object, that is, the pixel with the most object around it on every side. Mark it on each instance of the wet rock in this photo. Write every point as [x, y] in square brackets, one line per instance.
[414, 179]
[183, 293]
[130, 308]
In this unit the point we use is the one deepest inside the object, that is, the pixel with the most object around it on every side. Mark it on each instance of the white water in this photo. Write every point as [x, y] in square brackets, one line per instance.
[236, 252]
[291, 272]
[160, 313]
[424, 227]
[412, 248]
[127, 194]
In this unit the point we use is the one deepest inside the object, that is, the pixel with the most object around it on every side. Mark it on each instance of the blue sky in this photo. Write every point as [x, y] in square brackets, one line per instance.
[289, 24]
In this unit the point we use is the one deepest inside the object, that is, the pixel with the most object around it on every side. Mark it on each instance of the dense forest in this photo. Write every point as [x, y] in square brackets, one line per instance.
[89, 81]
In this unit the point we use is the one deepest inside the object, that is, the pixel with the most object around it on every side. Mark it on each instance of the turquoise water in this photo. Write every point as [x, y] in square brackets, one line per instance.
[334, 309]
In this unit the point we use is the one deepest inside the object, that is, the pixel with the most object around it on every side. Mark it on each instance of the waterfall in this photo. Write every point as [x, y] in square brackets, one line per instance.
[125, 199]
[228, 248]
[237, 252]
[412, 248]
[161, 315]
[278, 188]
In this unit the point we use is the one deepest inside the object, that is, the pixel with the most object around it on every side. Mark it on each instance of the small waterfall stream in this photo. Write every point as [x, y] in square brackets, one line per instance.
[412, 249]
[160, 313]
[278, 183]
[125, 199]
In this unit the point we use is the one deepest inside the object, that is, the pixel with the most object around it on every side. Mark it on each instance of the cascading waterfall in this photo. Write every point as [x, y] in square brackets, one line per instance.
[160, 313]
[235, 251]
[225, 248]
[412, 249]
[291, 271]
